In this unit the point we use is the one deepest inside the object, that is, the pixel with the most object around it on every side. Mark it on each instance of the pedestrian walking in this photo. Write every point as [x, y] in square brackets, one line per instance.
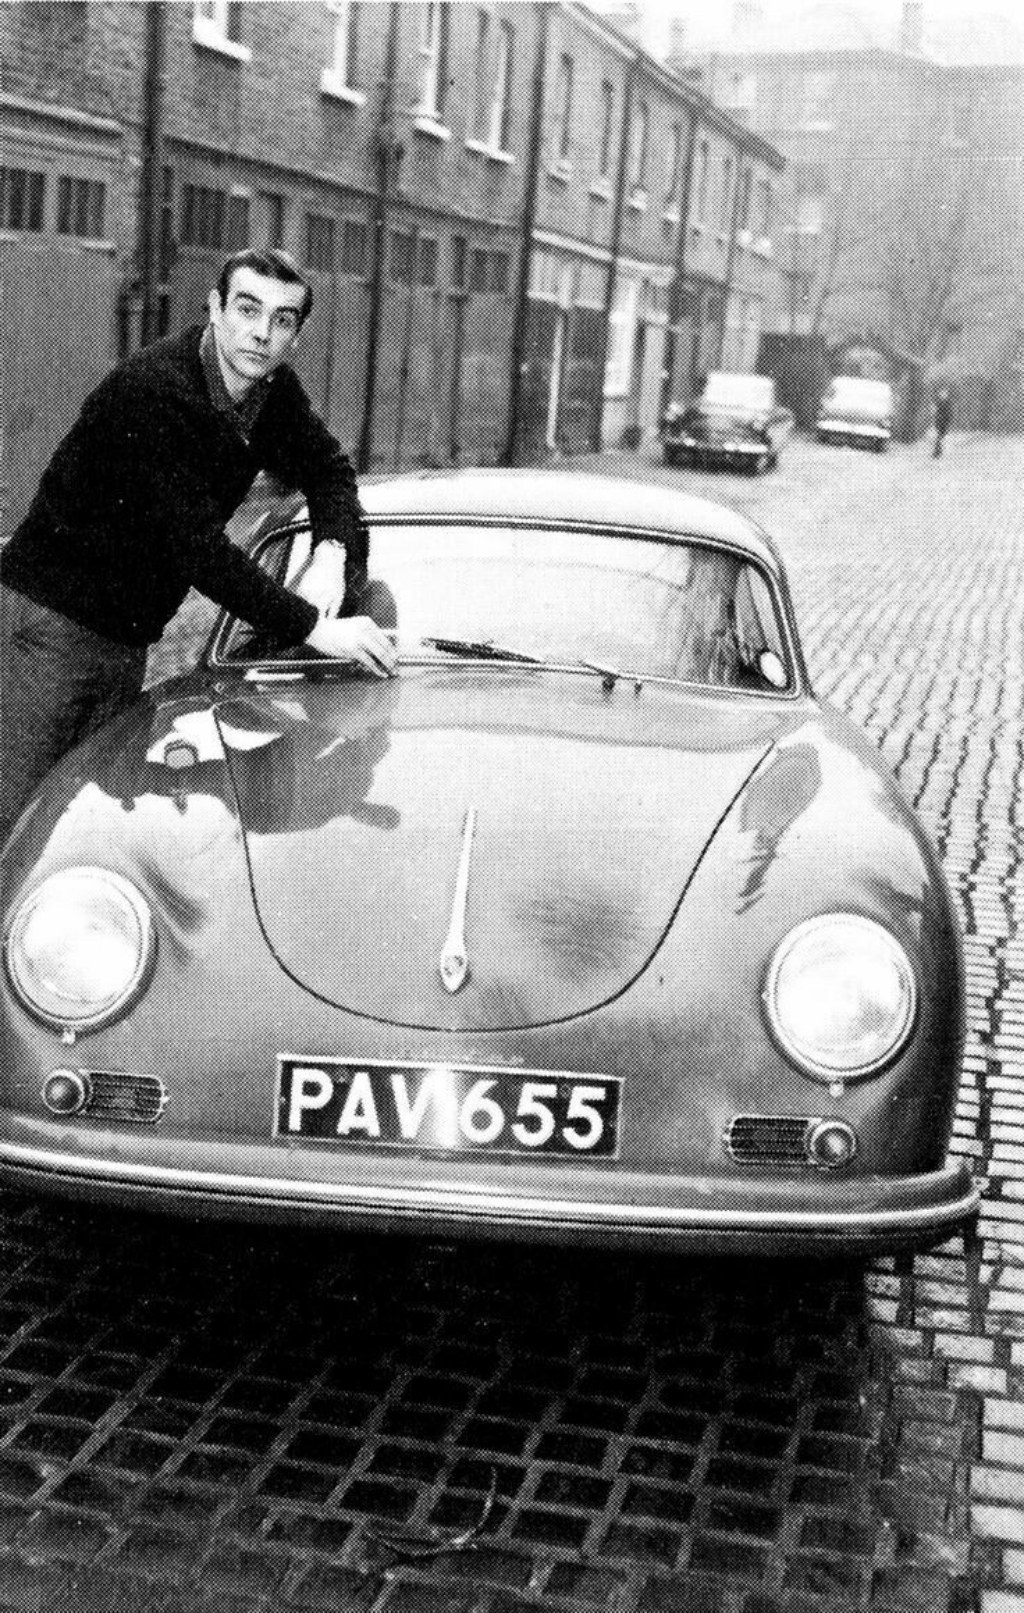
[943, 418]
[131, 510]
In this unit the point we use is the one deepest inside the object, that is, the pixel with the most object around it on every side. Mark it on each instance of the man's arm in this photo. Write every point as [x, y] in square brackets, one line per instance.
[295, 446]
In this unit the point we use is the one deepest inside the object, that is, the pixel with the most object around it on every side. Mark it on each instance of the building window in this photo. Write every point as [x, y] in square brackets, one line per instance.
[202, 216]
[561, 135]
[354, 246]
[810, 213]
[701, 189]
[674, 166]
[499, 273]
[743, 209]
[724, 219]
[426, 261]
[217, 24]
[167, 243]
[741, 94]
[339, 76]
[638, 136]
[488, 271]
[81, 205]
[604, 161]
[21, 199]
[271, 209]
[402, 256]
[320, 242]
[458, 270]
[237, 233]
[499, 115]
[816, 95]
[433, 59]
[478, 269]
[478, 128]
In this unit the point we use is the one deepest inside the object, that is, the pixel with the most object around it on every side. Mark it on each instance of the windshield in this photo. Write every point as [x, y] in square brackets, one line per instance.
[636, 606]
[849, 392]
[724, 391]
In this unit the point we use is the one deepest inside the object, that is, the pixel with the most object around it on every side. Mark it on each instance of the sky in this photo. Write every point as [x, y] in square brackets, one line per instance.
[990, 31]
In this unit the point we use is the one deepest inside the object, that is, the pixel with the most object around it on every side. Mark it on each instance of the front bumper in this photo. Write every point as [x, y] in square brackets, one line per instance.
[853, 430]
[730, 448]
[455, 1196]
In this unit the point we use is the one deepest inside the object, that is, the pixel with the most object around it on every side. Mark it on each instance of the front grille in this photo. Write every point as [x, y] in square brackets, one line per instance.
[134, 1099]
[769, 1139]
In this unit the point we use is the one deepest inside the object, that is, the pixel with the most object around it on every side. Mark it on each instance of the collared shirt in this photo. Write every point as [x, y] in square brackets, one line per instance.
[243, 411]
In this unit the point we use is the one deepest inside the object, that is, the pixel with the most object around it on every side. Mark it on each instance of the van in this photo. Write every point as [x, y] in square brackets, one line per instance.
[857, 412]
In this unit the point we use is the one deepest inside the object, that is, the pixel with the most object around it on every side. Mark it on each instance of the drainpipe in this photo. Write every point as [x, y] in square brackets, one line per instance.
[388, 152]
[616, 243]
[151, 176]
[679, 274]
[730, 262]
[520, 316]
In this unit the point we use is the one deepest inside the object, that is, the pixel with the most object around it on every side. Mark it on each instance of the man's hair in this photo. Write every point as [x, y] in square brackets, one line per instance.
[271, 261]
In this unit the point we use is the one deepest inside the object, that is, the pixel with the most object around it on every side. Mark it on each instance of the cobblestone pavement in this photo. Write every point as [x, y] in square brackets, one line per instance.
[231, 1421]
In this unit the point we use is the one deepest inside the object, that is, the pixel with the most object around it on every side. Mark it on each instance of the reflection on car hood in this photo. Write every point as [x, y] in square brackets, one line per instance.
[592, 810]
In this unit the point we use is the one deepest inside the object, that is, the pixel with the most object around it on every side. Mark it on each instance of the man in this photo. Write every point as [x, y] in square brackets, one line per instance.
[943, 418]
[130, 514]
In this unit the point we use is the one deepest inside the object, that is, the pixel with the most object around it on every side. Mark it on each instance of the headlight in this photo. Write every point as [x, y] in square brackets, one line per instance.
[80, 948]
[840, 996]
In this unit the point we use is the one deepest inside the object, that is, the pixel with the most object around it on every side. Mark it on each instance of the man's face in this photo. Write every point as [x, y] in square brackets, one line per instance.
[256, 329]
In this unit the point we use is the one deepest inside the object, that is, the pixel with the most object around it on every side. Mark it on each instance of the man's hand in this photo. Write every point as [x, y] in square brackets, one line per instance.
[355, 638]
[322, 578]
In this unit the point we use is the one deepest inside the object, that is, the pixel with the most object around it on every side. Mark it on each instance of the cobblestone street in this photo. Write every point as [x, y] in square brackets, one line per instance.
[222, 1420]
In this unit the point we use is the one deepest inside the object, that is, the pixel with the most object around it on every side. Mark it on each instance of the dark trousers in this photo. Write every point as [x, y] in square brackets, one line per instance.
[58, 682]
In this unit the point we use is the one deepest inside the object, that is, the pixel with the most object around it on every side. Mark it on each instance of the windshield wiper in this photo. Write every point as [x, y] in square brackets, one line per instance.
[480, 650]
[486, 650]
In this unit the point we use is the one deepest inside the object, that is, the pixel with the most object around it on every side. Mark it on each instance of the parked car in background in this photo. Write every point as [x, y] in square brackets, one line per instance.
[857, 412]
[736, 423]
[591, 925]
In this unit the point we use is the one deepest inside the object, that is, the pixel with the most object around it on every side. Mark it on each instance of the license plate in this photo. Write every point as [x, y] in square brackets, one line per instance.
[472, 1107]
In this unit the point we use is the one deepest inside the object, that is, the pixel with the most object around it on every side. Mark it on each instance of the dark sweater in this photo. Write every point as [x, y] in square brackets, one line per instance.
[130, 511]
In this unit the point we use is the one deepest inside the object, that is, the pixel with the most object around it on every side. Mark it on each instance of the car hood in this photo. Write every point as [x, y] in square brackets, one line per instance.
[716, 419]
[592, 810]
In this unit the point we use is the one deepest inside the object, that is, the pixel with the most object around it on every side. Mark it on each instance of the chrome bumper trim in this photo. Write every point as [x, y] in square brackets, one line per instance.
[463, 1203]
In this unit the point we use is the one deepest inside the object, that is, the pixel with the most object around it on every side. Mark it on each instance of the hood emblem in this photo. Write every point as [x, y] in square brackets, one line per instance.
[454, 957]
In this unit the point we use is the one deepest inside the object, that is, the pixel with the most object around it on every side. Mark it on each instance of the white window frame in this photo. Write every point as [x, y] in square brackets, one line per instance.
[639, 141]
[673, 175]
[810, 213]
[428, 115]
[700, 189]
[817, 91]
[210, 29]
[561, 163]
[741, 95]
[726, 196]
[336, 78]
[604, 150]
[491, 111]
[502, 85]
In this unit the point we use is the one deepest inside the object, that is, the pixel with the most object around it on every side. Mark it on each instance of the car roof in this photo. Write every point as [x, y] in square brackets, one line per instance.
[559, 497]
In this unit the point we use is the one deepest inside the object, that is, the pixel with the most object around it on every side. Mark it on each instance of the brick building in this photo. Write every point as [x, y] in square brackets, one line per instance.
[904, 229]
[488, 274]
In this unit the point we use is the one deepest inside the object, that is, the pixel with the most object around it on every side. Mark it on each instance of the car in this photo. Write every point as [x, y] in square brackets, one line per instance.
[857, 412]
[736, 424]
[592, 924]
